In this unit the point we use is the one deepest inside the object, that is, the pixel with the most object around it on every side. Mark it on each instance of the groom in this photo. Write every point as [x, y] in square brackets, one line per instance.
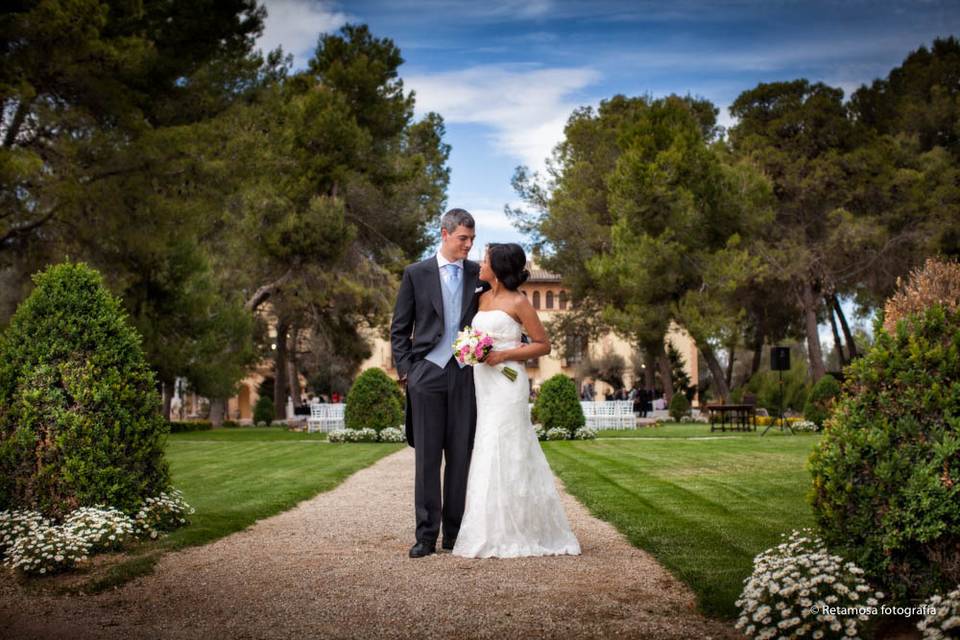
[437, 298]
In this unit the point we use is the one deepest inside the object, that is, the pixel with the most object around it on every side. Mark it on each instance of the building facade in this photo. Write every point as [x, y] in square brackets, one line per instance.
[549, 297]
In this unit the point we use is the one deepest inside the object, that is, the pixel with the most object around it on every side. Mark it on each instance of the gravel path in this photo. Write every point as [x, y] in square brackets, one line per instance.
[336, 566]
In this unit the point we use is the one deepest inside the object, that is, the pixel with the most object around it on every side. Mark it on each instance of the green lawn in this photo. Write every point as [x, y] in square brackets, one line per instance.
[249, 434]
[704, 507]
[677, 430]
[234, 477]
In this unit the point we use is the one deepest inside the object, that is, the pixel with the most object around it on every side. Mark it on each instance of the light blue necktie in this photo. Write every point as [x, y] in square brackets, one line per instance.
[453, 276]
[441, 352]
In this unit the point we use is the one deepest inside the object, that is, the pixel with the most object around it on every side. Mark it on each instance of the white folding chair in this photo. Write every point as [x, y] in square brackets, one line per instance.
[333, 418]
[315, 421]
[590, 413]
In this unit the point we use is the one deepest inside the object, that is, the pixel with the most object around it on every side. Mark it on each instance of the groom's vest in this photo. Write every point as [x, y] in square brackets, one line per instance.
[452, 301]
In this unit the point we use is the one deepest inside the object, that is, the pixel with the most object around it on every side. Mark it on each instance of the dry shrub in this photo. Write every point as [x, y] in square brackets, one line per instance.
[937, 282]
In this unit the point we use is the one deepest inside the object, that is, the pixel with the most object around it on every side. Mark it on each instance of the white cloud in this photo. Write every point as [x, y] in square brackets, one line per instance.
[764, 57]
[488, 11]
[525, 107]
[296, 25]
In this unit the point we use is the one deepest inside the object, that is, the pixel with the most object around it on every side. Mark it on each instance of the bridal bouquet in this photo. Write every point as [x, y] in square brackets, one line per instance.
[472, 347]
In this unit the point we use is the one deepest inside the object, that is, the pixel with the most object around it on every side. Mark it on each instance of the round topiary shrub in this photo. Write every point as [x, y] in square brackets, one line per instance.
[820, 401]
[886, 475]
[80, 420]
[374, 402]
[679, 406]
[263, 411]
[558, 405]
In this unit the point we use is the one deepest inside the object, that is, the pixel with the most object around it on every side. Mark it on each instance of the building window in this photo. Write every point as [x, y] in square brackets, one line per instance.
[536, 299]
[563, 300]
[549, 299]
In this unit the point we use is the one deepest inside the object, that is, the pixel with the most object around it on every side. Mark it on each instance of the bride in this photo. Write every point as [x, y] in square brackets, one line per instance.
[512, 506]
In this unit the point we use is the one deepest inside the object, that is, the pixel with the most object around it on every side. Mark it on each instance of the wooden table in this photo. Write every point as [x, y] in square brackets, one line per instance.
[736, 417]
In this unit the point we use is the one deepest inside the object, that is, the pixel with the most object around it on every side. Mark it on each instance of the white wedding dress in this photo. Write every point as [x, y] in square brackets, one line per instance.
[512, 505]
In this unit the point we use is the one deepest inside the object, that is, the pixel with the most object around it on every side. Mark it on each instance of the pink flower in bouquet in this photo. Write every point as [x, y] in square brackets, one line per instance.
[472, 347]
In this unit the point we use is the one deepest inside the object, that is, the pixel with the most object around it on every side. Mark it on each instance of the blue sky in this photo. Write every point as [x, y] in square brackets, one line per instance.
[506, 74]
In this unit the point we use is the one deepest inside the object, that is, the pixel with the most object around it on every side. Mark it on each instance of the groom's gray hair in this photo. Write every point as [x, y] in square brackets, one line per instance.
[456, 217]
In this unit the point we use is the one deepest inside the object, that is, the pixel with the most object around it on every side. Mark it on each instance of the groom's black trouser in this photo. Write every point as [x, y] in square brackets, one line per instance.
[444, 417]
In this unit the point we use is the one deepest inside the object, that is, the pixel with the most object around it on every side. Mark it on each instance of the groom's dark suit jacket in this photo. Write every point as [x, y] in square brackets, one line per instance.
[418, 315]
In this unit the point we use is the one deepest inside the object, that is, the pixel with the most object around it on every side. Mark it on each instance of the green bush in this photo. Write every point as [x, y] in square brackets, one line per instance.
[558, 405]
[196, 425]
[820, 401]
[79, 411]
[765, 386]
[374, 402]
[679, 406]
[263, 411]
[886, 475]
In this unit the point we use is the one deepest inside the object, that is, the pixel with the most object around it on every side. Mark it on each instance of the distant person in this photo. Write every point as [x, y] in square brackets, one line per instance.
[588, 392]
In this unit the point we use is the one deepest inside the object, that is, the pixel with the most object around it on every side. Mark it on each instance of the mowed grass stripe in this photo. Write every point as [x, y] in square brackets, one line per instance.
[234, 477]
[703, 508]
[233, 484]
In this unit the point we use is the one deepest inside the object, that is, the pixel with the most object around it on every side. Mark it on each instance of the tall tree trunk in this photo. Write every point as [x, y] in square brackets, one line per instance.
[758, 340]
[851, 343]
[166, 389]
[732, 359]
[716, 371]
[757, 359]
[808, 301]
[649, 371]
[280, 371]
[836, 333]
[218, 407]
[666, 376]
[293, 369]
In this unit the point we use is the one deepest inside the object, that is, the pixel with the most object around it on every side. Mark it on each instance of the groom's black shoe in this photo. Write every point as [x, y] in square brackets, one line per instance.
[422, 549]
[448, 544]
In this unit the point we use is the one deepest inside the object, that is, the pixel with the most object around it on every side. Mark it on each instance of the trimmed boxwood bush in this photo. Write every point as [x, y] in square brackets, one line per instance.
[263, 411]
[374, 402]
[558, 405]
[886, 475]
[820, 401]
[79, 410]
[679, 406]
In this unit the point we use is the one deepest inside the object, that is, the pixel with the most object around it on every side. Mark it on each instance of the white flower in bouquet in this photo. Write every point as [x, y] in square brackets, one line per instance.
[472, 347]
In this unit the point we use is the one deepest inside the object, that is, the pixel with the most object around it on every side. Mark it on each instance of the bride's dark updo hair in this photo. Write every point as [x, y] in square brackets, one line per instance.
[508, 261]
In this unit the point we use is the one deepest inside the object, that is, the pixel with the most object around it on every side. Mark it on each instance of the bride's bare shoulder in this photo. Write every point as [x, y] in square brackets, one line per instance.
[519, 305]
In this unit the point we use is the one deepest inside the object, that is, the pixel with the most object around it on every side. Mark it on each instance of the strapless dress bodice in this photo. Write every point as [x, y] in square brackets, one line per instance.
[499, 325]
